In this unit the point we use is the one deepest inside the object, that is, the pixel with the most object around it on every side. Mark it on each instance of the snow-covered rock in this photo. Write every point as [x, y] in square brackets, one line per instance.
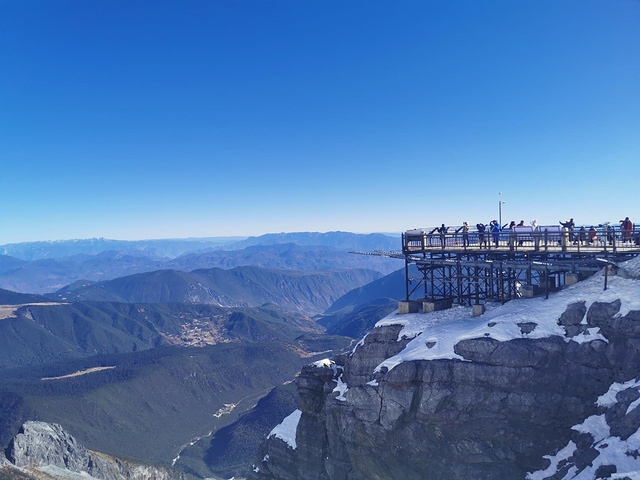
[525, 389]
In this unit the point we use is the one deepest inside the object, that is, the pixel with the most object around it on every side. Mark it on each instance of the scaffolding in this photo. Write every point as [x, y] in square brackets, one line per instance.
[473, 268]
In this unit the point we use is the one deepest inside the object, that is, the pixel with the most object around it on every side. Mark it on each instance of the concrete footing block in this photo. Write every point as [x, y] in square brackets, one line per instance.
[408, 307]
[435, 305]
[477, 310]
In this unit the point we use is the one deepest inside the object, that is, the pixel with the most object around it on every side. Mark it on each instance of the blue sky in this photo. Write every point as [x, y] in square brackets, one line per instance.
[136, 119]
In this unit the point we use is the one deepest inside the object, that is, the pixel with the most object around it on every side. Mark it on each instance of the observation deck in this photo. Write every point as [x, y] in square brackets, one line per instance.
[472, 268]
[603, 239]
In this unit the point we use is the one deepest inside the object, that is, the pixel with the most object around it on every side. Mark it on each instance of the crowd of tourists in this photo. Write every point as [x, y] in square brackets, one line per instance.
[583, 235]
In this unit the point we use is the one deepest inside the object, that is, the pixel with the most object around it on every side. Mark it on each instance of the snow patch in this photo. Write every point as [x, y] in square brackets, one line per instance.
[447, 327]
[286, 430]
[596, 425]
[609, 398]
[633, 406]
[624, 454]
[563, 454]
[324, 363]
[342, 389]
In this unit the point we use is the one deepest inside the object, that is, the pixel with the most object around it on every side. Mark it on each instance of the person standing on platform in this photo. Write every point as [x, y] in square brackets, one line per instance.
[569, 225]
[582, 235]
[521, 224]
[512, 234]
[482, 239]
[495, 232]
[627, 228]
[442, 231]
[465, 234]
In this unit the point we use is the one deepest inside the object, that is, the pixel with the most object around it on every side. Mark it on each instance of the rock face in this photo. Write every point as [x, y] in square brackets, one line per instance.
[493, 412]
[48, 449]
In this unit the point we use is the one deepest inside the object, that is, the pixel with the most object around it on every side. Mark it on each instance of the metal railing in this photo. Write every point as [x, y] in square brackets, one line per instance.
[549, 238]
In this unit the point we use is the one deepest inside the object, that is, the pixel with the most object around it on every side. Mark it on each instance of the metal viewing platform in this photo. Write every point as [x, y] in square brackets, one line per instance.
[473, 267]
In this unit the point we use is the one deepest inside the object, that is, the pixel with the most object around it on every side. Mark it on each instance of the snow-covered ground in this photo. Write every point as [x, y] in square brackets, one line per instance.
[435, 334]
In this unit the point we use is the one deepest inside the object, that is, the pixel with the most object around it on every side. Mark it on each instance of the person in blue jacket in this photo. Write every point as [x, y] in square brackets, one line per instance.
[495, 231]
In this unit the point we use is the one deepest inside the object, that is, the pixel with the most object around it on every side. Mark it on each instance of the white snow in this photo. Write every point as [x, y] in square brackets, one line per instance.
[328, 363]
[447, 327]
[563, 454]
[342, 388]
[629, 475]
[596, 425]
[373, 383]
[633, 406]
[609, 398]
[286, 430]
[588, 335]
[325, 362]
[612, 450]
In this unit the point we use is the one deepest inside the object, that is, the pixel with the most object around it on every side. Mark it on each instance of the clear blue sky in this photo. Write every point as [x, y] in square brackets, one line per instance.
[135, 119]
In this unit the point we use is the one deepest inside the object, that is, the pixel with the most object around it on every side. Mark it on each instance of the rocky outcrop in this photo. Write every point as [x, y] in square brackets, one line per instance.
[495, 410]
[46, 451]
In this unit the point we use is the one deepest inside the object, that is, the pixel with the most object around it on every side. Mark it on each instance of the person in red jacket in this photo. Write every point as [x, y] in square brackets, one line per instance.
[627, 228]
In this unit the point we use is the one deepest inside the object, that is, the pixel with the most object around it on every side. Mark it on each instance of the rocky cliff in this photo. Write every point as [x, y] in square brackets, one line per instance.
[536, 389]
[45, 451]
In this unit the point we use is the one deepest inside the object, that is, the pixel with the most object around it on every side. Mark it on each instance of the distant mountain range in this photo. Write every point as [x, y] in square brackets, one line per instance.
[12, 298]
[285, 256]
[171, 248]
[339, 240]
[308, 292]
[51, 274]
[94, 246]
[144, 348]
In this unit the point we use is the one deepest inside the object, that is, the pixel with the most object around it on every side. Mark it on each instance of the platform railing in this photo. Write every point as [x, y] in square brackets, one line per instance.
[555, 238]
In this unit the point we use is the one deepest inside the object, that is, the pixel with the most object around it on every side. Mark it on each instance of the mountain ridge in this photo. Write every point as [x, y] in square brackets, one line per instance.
[48, 275]
[310, 292]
